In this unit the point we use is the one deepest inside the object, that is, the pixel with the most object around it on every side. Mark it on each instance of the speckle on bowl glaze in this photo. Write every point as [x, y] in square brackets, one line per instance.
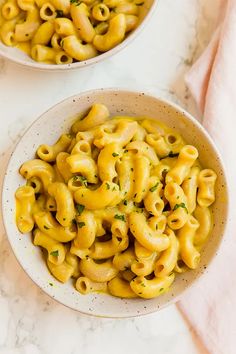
[58, 119]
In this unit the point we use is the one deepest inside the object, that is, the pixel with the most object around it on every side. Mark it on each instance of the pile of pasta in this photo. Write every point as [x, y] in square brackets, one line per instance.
[121, 204]
[63, 31]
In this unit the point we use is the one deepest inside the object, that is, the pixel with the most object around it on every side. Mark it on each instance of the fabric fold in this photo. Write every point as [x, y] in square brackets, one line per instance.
[211, 305]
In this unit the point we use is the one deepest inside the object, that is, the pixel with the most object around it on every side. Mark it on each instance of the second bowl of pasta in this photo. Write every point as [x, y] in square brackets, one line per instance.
[123, 202]
[69, 34]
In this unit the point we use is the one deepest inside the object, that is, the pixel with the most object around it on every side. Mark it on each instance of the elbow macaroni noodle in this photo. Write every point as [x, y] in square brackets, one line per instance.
[120, 204]
[65, 31]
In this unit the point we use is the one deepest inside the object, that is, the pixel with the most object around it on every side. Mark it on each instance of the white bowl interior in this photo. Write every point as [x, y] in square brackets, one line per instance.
[46, 129]
[22, 58]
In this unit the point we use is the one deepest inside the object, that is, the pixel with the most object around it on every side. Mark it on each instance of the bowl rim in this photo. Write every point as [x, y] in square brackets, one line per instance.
[85, 63]
[194, 121]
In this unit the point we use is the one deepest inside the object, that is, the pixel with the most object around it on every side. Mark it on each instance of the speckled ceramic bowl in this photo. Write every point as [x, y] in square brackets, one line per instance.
[46, 129]
[21, 58]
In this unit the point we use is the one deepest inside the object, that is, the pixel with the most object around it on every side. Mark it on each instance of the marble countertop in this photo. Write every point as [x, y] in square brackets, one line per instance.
[31, 322]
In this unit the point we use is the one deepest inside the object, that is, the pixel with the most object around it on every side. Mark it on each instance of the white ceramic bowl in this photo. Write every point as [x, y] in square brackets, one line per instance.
[46, 129]
[20, 57]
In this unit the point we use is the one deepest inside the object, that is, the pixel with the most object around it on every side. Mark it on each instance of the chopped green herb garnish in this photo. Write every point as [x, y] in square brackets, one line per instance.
[108, 185]
[120, 217]
[125, 151]
[161, 289]
[54, 253]
[79, 208]
[181, 205]
[115, 154]
[154, 187]
[113, 189]
[81, 224]
[76, 2]
[139, 210]
[142, 284]
[125, 202]
[45, 227]
[171, 154]
[59, 13]
[82, 179]
[74, 221]
[51, 284]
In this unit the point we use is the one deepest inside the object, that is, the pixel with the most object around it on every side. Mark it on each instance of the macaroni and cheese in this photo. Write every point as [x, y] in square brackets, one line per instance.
[119, 204]
[65, 31]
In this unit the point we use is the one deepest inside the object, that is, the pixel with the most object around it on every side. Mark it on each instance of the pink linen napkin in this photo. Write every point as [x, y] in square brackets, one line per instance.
[211, 305]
